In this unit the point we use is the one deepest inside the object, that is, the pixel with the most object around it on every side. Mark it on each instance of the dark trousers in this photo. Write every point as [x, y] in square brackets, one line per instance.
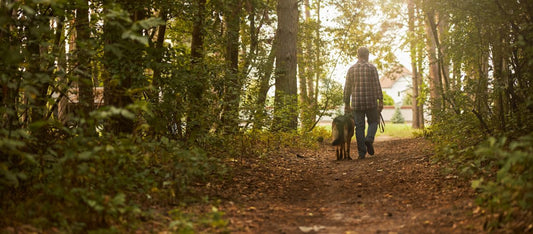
[372, 117]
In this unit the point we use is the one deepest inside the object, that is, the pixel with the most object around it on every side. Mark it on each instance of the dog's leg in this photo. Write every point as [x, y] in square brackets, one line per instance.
[343, 149]
[348, 150]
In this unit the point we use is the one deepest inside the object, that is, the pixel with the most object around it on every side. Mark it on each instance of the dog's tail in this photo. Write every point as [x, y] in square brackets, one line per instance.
[337, 131]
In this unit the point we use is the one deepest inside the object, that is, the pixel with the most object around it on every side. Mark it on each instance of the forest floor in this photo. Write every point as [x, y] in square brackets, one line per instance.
[398, 190]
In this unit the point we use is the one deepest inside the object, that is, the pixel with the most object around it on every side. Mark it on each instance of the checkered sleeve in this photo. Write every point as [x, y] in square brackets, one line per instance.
[377, 85]
[348, 87]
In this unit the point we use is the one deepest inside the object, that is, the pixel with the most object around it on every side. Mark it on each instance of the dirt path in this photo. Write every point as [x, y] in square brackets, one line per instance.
[397, 190]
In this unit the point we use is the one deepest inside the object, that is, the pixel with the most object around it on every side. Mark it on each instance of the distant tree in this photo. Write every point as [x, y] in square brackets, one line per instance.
[397, 117]
[407, 99]
[83, 70]
[387, 100]
[414, 49]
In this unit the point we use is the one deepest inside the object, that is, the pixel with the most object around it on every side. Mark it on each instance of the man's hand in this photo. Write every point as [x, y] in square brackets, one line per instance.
[380, 105]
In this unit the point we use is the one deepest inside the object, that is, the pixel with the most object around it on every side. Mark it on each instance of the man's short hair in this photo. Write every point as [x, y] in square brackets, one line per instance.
[363, 52]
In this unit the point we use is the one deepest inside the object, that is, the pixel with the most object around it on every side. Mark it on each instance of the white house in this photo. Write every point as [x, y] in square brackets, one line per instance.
[397, 83]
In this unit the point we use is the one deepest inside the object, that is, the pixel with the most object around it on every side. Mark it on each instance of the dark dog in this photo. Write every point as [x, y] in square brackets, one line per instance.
[342, 131]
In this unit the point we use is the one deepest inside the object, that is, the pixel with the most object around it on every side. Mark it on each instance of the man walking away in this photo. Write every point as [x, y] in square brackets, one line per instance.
[363, 98]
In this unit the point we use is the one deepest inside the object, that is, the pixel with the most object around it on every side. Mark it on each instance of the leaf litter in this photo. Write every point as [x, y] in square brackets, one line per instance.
[398, 190]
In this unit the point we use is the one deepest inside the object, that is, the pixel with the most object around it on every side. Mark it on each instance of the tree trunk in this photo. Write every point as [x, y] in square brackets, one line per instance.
[420, 66]
[412, 43]
[318, 70]
[434, 78]
[444, 65]
[83, 65]
[499, 64]
[286, 97]
[120, 69]
[264, 86]
[159, 50]
[304, 70]
[196, 111]
[233, 84]
[37, 65]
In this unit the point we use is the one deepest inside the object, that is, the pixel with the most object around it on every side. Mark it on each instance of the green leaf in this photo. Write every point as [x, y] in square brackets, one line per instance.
[128, 34]
[119, 199]
[85, 155]
[150, 22]
[477, 183]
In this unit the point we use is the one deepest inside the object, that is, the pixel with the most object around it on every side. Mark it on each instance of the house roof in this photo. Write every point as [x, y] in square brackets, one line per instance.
[393, 75]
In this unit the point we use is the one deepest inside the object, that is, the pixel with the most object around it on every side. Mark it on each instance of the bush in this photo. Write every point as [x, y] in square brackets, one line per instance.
[500, 168]
[88, 183]
[387, 100]
[508, 192]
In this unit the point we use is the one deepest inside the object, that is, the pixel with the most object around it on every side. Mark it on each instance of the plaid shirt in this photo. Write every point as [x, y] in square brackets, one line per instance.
[362, 85]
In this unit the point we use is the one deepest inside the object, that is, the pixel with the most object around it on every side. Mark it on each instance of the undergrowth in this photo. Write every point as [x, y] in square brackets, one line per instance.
[88, 183]
[500, 168]
[79, 183]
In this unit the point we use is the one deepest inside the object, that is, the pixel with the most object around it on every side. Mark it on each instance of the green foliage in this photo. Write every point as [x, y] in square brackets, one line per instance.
[506, 186]
[456, 136]
[407, 99]
[255, 143]
[285, 116]
[387, 100]
[211, 221]
[398, 130]
[15, 158]
[397, 117]
[498, 166]
[108, 178]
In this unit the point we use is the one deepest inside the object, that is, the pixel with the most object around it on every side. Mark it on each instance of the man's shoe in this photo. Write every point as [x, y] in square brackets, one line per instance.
[369, 147]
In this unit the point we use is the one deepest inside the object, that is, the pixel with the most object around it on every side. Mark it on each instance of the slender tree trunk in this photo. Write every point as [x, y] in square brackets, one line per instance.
[304, 69]
[443, 29]
[419, 66]
[434, 78]
[196, 111]
[233, 84]
[318, 52]
[83, 61]
[285, 99]
[36, 65]
[60, 67]
[159, 47]
[499, 64]
[254, 36]
[412, 43]
[264, 86]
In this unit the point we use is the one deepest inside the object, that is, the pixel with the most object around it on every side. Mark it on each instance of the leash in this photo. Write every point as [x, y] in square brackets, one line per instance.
[381, 123]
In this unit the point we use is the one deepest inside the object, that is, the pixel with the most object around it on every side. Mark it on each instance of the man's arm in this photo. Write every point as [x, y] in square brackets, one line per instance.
[379, 91]
[347, 92]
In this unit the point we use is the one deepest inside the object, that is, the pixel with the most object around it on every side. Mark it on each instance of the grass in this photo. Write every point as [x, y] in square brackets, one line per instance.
[392, 130]
[398, 130]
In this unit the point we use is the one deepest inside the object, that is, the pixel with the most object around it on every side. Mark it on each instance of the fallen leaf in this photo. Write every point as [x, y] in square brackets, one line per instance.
[314, 228]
